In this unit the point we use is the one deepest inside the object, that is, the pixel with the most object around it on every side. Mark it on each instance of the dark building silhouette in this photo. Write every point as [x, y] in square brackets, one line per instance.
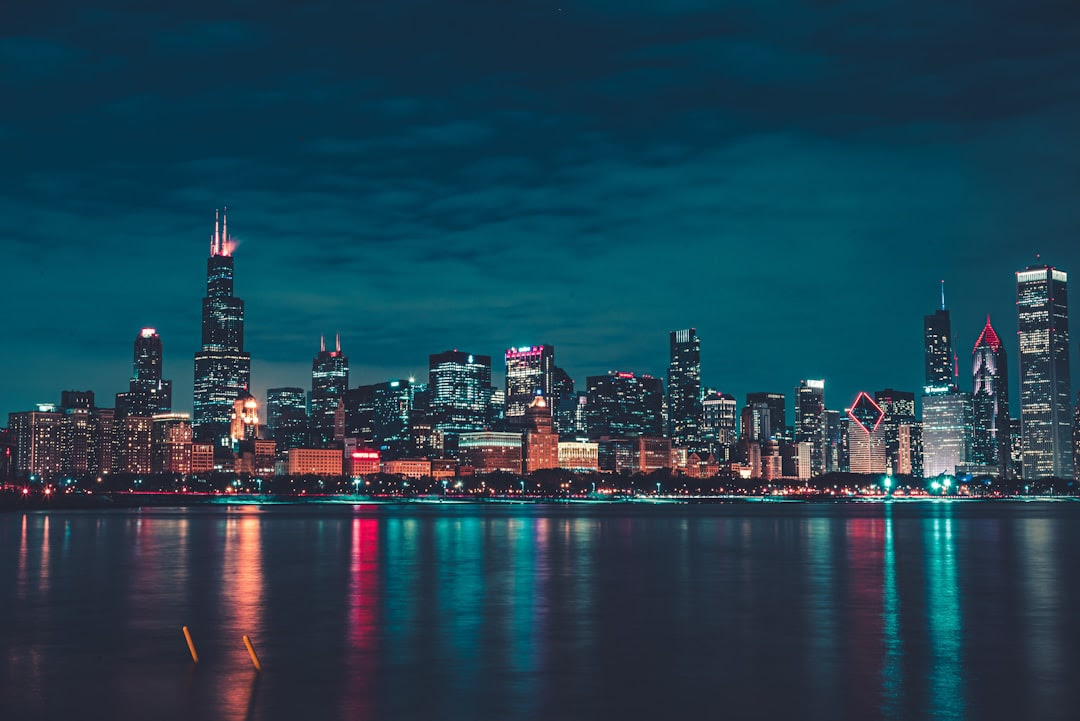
[148, 393]
[622, 405]
[329, 380]
[810, 422]
[222, 368]
[684, 387]
[937, 347]
[286, 418]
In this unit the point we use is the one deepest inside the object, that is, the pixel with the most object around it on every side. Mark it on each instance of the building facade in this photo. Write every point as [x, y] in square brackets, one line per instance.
[148, 392]
[1042, 305]
[222, 367]
[810, 426]
[990, 442]
[459, 387]
[329, 380]
[684, 387]
[622, 405]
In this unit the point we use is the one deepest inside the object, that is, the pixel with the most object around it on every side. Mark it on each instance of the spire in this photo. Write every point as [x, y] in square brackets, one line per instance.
[337, 341]
[322, 343]
[217, 234]
[225, 227]
[988, 337]
[943, 294]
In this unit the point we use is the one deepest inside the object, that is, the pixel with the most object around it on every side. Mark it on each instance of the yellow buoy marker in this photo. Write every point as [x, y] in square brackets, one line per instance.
[190, 645]
[251, 652]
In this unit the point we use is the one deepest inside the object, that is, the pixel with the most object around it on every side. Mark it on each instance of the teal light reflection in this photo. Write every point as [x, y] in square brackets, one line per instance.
[892, 674]
[945, 619]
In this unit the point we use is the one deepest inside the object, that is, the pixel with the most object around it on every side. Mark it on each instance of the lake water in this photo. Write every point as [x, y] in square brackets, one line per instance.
[961, 610]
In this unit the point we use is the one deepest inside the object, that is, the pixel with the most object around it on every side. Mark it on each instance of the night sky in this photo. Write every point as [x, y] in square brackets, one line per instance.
[792, 178]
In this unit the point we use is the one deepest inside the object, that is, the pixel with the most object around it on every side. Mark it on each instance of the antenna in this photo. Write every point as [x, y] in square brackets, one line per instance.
[224, 226]
[217, 233]
[337, 341]
[322, 343]
[943, 294]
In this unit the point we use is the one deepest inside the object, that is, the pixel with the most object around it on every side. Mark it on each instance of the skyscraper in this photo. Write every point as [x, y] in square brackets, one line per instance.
[222, 368]
[866, 438]
[990, 402]
[946, 430]
[1042, 305]
[459, 385]
[329, 380]
[684, 387]
[622, 405]
[809, 422]
[775, 421]
[148, 393]
[937, 336]
[903, 433]
[528, 369]
[717, 424]
[946, 412]
[286, 417]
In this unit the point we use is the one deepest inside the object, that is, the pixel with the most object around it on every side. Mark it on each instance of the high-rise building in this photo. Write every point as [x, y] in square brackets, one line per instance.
[622, 405]
[8, 446]
[571, 416]
[459, 385]
[329, 380]
[562, 387]
[866, 438]
[717, 425]
[937, 346]
[286, 418]
[540, 443]
[222, 368]
[37, 442]
[835, 453]
[990, 444]
[946, 430]
[810, 424]
[244, 424]
[684, 387]
[528, 369]
[777, 416]
[898, 425]
[134, 445]
[1076, 439]
[148, 393]
[360, 414]
[1042, 305]
[171, 443]
[393, 414]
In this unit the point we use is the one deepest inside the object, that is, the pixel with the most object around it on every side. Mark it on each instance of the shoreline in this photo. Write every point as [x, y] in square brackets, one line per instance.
[187, 500]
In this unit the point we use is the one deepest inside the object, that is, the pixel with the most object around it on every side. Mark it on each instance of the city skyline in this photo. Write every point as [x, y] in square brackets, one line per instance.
[398, 192]
[498, 375]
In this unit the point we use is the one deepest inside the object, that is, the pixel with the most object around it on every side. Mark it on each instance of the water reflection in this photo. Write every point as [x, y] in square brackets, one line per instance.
[1043, 609]
[242, 609]
[892, 671]
[944, 611]
[362, 619]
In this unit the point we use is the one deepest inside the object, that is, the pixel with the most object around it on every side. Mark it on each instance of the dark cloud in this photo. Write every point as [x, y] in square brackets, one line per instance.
[793, 178]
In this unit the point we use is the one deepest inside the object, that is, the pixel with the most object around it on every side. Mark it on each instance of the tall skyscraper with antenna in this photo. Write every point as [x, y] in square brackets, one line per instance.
[222, 368]
[946, 410]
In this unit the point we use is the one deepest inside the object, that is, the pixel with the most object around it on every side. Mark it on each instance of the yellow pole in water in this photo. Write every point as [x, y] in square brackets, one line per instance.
[251, 652]
[190, 645]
